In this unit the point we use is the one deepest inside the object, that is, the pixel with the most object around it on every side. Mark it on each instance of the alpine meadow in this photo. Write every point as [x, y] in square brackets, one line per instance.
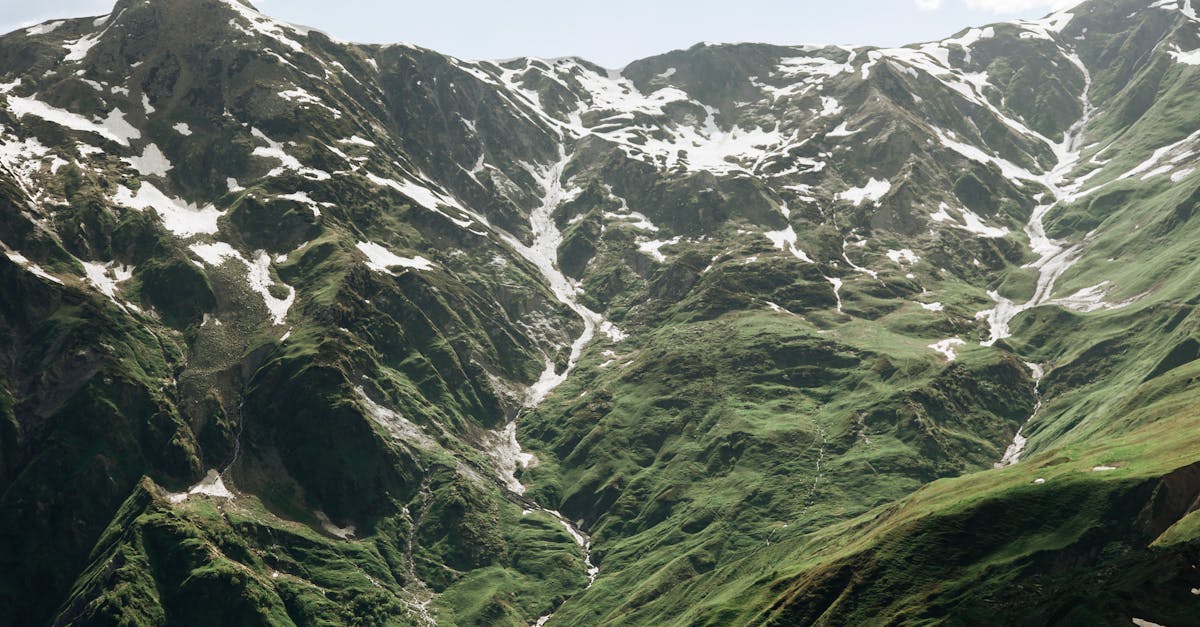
[297, 331]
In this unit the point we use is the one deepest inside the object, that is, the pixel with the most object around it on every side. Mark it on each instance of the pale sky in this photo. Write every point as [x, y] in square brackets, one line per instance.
[609, 32]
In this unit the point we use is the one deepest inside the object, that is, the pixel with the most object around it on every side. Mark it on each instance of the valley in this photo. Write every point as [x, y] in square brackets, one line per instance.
[299, 331]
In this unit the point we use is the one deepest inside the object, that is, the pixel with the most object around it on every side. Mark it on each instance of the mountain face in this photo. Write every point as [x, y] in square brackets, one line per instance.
[298, 331]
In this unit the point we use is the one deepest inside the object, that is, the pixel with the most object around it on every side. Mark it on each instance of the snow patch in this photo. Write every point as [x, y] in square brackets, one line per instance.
[1090, 299]
[107, 276]
[397, 426]
[842, 131]
[358, 141]
[24, 262]
[113, 127]
[274, 150]
[152, 162]
[423, 196]
[304, 198]
[946, 347]
[653, 247]
[971, 222]
[872, 191]
[382, 260]
[615, 334]
[829, 107]
[502, 446]
[211, 485]
[298, 94]
[837, 291]
[258, 276]
[786, 240]
[263, 25]
[44, 28]
[1191, 57]
[181, 218]
[903, 257]
[78, 50]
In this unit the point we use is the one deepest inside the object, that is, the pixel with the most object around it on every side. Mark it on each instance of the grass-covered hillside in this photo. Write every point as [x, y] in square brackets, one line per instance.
[300, 331]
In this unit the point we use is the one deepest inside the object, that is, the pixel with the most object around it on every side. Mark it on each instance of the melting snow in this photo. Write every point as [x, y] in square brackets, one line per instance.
[381, 259]
[971, 222]
[615, 334]
[297, 94]
[258, 275]
[106, 277]
[211, 485]
[77, 50]
[24, 262]
[786, 239]
[837, 291]
[653, 247]
[872, 191]
[1054, 257]
[114, 127]
[903, 257]
[423, 196]
[152, 162]
[391, 421]
[1191, 57]
[264, 25]
[543, 254]
[43, 29]
[304, 198]
[356, 140]
[24, 159]
[829, 107]
[181, 218]
[274, 150]
[1090, 299]
[503, 448]
[946, 347]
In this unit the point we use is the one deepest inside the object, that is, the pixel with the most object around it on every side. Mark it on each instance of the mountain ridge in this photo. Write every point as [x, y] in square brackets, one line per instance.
[733, 301]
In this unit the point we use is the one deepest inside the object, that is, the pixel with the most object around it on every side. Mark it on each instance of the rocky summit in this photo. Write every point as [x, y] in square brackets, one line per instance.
[300, 331]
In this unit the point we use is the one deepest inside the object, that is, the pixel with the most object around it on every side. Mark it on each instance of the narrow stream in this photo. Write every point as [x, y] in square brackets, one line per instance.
[543, 254]
[1054, 257]
[1012, 454]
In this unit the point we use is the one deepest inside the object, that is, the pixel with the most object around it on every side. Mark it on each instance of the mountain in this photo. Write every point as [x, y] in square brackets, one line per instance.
[300, 331]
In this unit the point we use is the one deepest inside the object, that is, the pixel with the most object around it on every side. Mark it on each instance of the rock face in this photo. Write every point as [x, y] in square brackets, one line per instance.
[298, 331]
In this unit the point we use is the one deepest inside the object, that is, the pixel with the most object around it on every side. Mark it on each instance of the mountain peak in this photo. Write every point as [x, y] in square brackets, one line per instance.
[303, 331]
